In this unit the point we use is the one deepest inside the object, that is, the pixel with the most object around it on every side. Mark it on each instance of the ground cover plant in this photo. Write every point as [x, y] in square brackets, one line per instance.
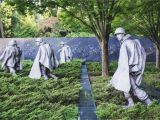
[109, 101]
[22, 98]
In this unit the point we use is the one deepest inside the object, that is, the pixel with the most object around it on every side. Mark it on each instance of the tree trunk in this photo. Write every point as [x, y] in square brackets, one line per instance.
[104, 47]
[157, 57]
[1, 30]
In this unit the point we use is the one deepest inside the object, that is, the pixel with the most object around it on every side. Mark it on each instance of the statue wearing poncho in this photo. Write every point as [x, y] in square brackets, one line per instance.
[65, 53]
[131, 60]
[44, 62]
[131, 64]
[12, 57]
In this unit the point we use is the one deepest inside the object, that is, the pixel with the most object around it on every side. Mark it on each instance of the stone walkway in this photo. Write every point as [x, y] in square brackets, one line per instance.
[87, 108]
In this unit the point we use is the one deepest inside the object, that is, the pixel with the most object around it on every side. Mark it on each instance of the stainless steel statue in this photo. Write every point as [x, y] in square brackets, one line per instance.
[131, 64]
[65, 53]
[44, 62]
[11, 57]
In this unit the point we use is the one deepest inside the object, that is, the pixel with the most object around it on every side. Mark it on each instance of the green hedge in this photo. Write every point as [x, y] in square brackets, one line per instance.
[94, 68]
[23, 98]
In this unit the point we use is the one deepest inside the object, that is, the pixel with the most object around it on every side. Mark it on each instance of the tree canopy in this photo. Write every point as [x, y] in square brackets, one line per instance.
[100, 17]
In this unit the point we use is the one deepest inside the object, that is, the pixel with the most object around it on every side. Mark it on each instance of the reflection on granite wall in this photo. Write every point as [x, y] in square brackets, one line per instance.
[85, 48]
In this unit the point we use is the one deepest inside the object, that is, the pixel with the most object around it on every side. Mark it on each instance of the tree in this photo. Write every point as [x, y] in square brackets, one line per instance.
[151, 23]
[97, 15]
[143, 17]
[6, 12]
[1, 29]
[70, 24]
[26, 26]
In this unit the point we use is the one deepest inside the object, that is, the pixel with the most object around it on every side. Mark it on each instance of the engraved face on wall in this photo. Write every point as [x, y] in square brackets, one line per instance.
[37, 43]
[120, 36]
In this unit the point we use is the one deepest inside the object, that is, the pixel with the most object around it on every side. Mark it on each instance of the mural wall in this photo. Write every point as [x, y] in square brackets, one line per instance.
[84, 48]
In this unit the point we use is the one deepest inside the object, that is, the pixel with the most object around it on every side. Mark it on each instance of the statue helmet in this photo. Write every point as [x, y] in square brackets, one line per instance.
[119, 30]
[12, 42]
[39, 40]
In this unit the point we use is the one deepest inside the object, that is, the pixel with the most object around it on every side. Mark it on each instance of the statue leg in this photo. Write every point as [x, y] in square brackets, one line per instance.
[6, 69]
[17, 66]
[44, 72]
[139, 93]
[50, 74]
[12, 70]
[129, 99]
[53, 76]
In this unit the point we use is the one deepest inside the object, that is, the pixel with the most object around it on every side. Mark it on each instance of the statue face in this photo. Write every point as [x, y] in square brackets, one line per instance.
[120, 36]
[37, 43]
[62, 45]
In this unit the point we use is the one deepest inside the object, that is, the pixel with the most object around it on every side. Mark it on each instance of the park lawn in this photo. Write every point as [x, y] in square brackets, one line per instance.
[109, 101]
[22, 98]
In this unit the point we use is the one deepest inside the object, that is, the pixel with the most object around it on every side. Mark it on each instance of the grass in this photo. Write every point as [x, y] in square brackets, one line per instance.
[109, 101]
[22, 98]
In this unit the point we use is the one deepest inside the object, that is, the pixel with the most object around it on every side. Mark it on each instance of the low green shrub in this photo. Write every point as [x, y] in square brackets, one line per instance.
[23, 98]
[109, 101]
[138, 111]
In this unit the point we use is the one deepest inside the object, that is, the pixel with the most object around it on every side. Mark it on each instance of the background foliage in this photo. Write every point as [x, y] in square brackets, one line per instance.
[25, 26]
[6, 14]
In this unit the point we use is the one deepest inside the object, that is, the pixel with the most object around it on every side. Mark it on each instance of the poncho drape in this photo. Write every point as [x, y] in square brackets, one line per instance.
[45, 56]
[65, 54]
[9, 57]
[132, 59]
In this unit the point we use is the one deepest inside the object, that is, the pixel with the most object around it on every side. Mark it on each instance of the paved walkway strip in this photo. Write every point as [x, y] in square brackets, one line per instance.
[87, 108]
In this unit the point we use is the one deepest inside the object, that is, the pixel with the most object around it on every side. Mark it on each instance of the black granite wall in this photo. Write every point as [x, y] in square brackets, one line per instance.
[85, 48]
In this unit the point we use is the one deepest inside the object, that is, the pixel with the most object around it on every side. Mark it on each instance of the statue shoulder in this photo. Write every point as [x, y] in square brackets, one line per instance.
[67, 46]
[129, 42]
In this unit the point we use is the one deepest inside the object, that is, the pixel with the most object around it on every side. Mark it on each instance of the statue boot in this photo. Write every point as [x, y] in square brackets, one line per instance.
[130, 103]
[148, 101]
[13, 71]
[45, 76]
[43, 71]
[129, 99]
[53, 76]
